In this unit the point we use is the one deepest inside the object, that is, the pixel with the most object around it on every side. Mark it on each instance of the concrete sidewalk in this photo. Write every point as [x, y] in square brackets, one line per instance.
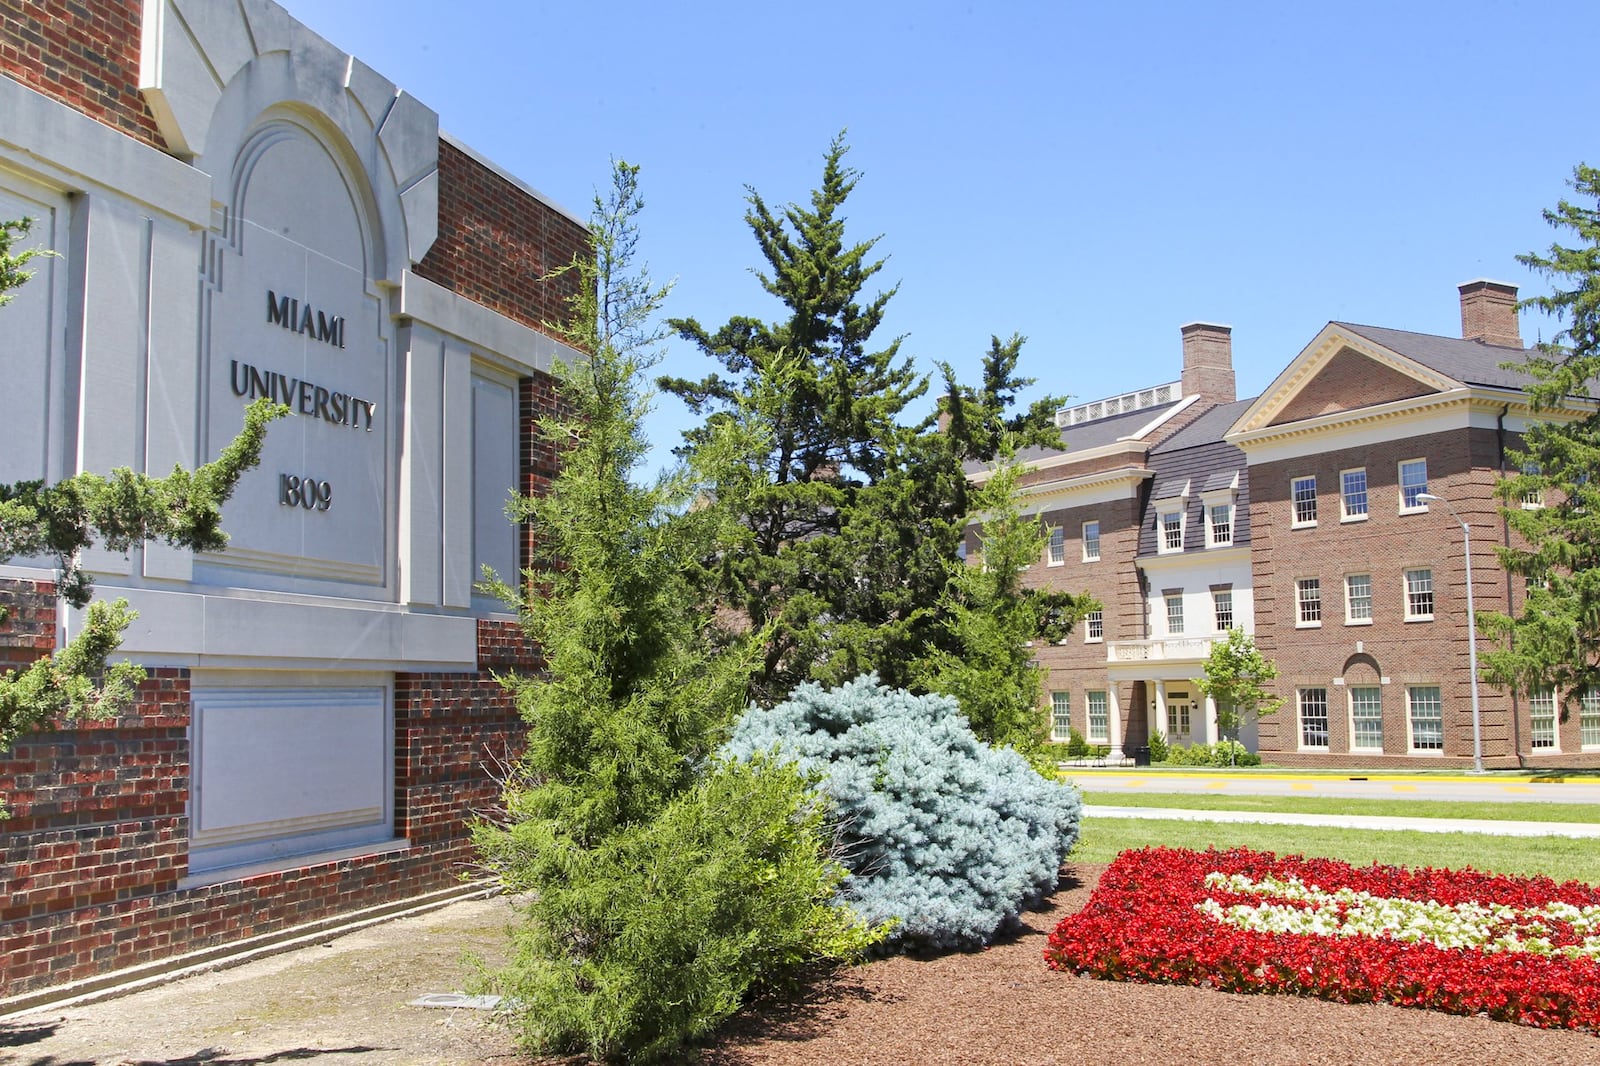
[1355, 821]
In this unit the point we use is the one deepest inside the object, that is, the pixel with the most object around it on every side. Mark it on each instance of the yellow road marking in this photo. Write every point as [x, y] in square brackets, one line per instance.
[1134, 784]
[1516, 788]
[1297, 787]
[1220, 784]
[1404, 788]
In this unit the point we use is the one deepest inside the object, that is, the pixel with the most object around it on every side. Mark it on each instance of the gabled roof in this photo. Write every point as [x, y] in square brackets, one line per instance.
[1469, 362]
[1207, 429]
[1087, 436]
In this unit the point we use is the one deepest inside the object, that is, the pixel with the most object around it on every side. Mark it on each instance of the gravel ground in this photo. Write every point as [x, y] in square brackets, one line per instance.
[345, 1002]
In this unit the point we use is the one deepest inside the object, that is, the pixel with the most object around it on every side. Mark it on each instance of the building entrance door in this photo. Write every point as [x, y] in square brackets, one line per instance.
[1180, 712]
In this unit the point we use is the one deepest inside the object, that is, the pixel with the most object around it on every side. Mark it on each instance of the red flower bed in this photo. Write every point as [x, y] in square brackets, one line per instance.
[1145, 922]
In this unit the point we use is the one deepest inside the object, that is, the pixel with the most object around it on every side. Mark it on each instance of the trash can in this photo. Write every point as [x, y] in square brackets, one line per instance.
[1141, 755]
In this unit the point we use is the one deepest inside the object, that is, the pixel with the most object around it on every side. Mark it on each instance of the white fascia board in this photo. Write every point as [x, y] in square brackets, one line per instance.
[1365, 427]
[63, 148]
[486, 331]
[1204, 562]
[1103, 487]
[1162, 419]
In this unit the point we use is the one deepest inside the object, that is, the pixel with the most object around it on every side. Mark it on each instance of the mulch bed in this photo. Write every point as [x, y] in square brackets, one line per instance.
[1003, 1006]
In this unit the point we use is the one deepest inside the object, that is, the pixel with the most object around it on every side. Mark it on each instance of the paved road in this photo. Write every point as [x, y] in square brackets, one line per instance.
[1489, 788]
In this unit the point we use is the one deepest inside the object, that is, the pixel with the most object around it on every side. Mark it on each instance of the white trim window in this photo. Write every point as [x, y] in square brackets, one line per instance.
[1094, 627]
[1174, 602]
[1419, 595]
[1091, 542]
[1178, 711]
[1358, 599]
[1099, 717]
[1219, 525]
[1589, 719]
[1170, 527]
[1308, 602]
[1060, 715]
[1303, 496]
[1413, 483]
[1425, 718]
[1353, 495]
[1056, 551]
[1366, 718]
[1313, 708]
[1542, 719]
[1222, 607]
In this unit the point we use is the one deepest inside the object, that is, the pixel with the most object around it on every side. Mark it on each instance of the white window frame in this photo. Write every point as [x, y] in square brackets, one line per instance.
[1414, 595]
[1103, 715]
[1222, 604]
[1545, 737]
[1346, 513]
[1056, 548]
[1589, 720]
[1213, 540]
[1367, 699]
[1179, 722]
[1416, 506]
[1296, 486]
[1091, 542]
[1060, 715]
[1412, 719]
[1169, 521]
[1303, 696]
[1303, 586]
[1094, 627]
[1174, 603]
[1350, 617]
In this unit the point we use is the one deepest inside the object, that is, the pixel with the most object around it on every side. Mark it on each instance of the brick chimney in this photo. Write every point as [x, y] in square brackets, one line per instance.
[1489, 313]
[1208, 362]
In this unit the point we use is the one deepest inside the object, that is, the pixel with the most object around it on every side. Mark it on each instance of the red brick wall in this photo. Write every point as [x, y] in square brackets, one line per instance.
[85, 54]
[1077, 666]
[496, 243]
[97, 843]
[1462, 468]
[1348, 381]
[29, 630]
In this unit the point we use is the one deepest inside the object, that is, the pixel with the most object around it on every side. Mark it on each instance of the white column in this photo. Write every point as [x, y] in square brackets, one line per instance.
[1211, 721]
[1160, 713]
[1114, 723]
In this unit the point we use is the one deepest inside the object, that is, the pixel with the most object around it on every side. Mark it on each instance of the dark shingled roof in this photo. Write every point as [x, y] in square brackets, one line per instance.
[1100, 432]
[1470, 362]
[1206, 429]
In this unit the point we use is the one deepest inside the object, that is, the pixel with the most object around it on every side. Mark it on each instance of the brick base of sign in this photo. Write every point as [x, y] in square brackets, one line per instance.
[94, 853]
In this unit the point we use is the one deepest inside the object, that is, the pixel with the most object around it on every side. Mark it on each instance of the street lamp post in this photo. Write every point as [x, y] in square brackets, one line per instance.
[1472, 630]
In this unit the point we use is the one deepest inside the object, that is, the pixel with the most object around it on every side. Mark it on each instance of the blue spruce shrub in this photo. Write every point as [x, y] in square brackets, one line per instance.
[942, 834]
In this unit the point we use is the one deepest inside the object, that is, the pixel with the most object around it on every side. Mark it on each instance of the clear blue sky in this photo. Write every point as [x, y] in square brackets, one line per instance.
[1091, 175]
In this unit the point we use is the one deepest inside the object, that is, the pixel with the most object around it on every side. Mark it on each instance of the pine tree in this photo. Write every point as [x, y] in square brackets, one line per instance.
[855, 512]
[1553, 642]
[118, 511]
[662, 884]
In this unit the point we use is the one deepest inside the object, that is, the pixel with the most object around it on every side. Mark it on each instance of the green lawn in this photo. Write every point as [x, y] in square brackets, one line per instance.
[1399, 808]
[1560, 858]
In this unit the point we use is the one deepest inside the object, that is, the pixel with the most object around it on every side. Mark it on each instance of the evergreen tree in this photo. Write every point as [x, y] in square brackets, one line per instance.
[662, 884]
[854, 512]
[119, 511]
[993, 621]
[1554, 640]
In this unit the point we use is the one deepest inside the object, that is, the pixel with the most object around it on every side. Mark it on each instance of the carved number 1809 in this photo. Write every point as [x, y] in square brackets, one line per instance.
[296, 491]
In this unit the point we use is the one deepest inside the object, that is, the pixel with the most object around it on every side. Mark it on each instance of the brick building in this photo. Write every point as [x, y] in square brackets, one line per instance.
[1306, 517]
[238, 208]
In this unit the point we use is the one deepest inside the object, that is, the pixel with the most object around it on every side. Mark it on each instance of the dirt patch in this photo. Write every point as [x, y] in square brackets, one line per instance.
[345, 1002]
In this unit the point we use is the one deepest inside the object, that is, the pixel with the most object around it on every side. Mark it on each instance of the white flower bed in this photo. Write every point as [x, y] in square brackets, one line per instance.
[1480, 927]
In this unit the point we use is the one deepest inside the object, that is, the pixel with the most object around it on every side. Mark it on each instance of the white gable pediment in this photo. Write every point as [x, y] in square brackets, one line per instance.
[1340, 370]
